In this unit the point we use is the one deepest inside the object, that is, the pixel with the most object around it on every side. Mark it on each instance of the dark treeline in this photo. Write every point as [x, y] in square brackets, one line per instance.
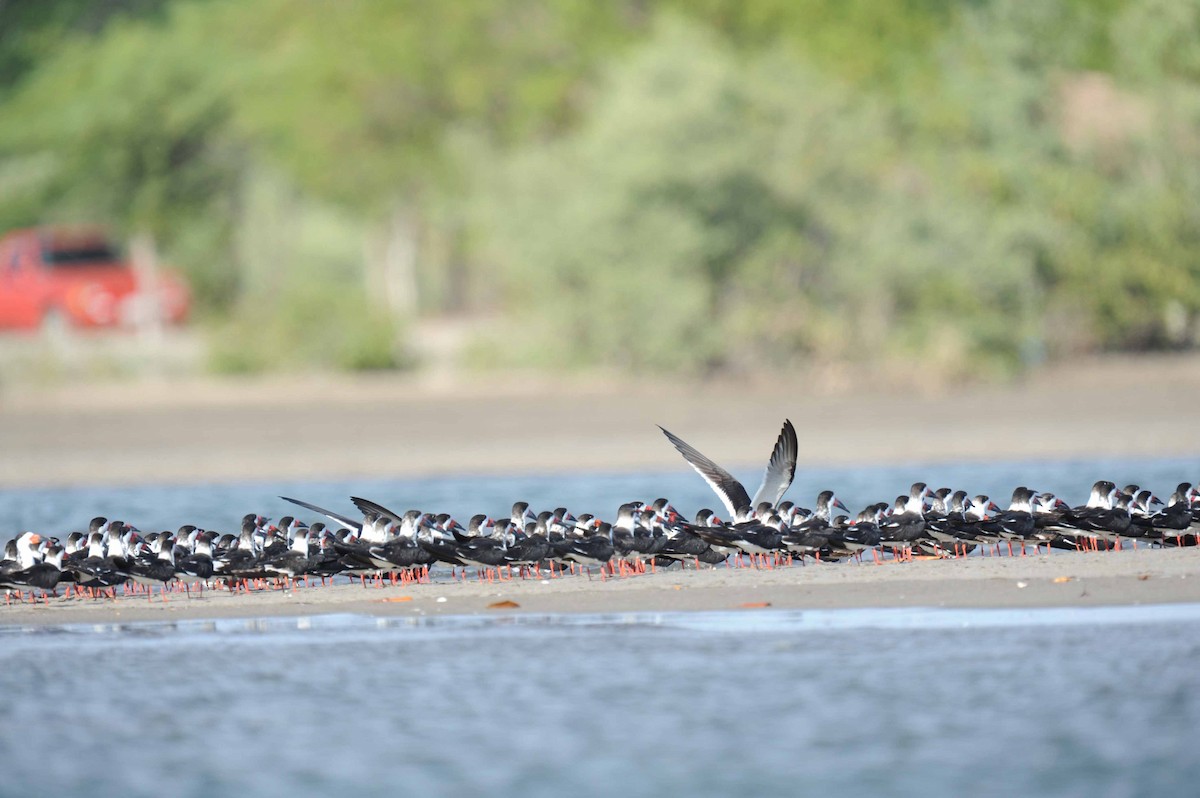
[641, 184]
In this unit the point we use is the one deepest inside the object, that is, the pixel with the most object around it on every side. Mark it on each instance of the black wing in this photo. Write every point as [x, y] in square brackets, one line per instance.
[368, 506]
[349, 523]
[728, 490]
[781, 468]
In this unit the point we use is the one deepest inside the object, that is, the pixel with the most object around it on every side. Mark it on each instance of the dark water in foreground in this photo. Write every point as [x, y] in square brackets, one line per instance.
[901, 702]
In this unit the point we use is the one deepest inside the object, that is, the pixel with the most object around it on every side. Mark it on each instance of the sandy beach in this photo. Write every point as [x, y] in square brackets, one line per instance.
[1062, 579]
[388, 426]
[135, 432]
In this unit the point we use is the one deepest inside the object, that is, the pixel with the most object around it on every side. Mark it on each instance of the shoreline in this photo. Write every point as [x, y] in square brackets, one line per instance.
[1062, 579]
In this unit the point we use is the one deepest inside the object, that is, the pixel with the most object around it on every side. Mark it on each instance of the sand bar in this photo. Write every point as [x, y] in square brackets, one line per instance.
[1062, 579]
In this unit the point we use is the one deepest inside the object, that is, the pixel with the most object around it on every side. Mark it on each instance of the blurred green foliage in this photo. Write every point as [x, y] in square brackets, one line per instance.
[689, 185]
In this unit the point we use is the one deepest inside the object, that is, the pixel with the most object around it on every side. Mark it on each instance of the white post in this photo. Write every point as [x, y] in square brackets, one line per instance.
[400, 265]
[147, 307]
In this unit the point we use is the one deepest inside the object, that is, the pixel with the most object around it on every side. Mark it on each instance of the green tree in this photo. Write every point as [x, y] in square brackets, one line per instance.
[714, 212]
[127, 129]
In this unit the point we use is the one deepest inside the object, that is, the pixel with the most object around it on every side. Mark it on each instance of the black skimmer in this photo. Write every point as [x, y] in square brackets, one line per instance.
[756, 538]
[906, 524]
[341, 520]
[811, 535]
[352, 546]
[46, 575]
[521, 515]
[21, 552]
[389, 541]
[25, 568]
[1102, 518]
[240, 563]
[1141, 518]
[530, 548]
[862, 534]
[593, 549]
[1177, 519]
[291, 563]
[1015, 524]
[634, 544]
[87, 566]
[680, 543]
[946, 528]
[150, 572]
[777, 478]
[198, 565]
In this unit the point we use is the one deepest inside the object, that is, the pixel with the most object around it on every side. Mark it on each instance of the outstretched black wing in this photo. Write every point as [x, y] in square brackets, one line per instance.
[349, 523]
[781, 468]
[728, 490]
[368, 506]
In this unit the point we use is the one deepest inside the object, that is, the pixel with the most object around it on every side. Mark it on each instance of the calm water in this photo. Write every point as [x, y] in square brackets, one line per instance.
[883, 702]
[220, 506]
[910, 702]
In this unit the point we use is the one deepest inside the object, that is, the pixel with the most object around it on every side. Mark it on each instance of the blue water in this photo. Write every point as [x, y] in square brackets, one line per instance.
[220, 506]
[1098, 702]
[904, 702]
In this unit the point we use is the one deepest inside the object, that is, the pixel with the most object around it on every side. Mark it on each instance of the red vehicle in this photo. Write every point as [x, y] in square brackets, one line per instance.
[75, 276]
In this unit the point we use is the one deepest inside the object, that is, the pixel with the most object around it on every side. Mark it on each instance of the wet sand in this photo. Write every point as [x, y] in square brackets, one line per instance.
[1061, 579]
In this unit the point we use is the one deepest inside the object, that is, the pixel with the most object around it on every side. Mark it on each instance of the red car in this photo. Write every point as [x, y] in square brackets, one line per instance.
[75, 276]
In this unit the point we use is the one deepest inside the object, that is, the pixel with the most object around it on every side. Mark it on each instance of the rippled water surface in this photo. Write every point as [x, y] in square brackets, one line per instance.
[850, 702]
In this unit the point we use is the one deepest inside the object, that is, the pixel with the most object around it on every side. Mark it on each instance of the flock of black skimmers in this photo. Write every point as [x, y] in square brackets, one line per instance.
[762, 531]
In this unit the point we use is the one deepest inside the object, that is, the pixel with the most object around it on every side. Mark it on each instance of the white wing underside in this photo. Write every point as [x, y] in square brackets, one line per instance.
[777, 478]
[731, 492]
[340, 520]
